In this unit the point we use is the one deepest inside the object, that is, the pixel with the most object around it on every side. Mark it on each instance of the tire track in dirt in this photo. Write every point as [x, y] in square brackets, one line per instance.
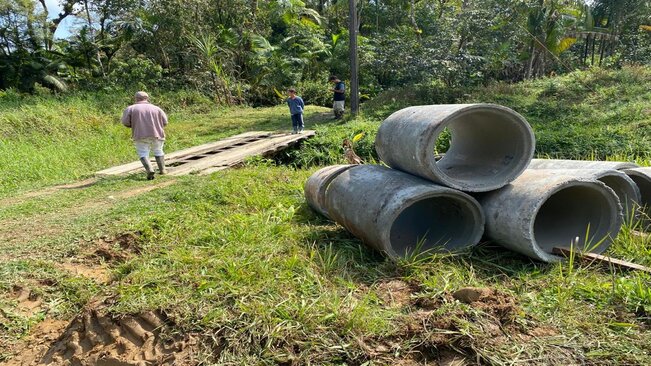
[96, 337]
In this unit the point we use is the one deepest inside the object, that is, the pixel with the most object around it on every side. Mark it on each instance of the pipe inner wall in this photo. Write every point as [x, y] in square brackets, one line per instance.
[397, 213]
[642, 177]
[485, 146]
[490, 145]
[571, 213]
[435, 223]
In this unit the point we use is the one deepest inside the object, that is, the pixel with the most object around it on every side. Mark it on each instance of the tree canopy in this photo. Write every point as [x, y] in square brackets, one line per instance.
[246, 51]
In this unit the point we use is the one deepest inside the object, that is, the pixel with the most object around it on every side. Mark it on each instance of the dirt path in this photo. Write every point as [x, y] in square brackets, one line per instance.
[15, 233]
[21, 198]
[93, 337]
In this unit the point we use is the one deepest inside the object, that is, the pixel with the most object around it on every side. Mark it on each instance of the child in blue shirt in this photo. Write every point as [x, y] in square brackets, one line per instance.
[296, 107]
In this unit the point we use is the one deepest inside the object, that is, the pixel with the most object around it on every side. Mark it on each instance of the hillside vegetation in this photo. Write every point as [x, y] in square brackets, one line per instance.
[242, 267]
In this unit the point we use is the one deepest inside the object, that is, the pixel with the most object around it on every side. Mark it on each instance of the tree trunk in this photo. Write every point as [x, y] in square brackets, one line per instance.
[91, 32]
[354, 82]
[412, 16]
[528, 71]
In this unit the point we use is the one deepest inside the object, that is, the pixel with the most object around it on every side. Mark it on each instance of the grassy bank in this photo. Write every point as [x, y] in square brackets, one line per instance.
[48, 140]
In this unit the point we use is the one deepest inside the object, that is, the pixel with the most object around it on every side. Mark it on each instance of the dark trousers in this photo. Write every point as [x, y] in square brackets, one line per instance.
[297, 122]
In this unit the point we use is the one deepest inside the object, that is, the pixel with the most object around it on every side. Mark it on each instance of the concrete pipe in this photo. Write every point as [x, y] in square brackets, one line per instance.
[397, 213]
[642, 177]
[316, 186]
[543, 209]
[490, 145]
[579, 164]
[623, 186]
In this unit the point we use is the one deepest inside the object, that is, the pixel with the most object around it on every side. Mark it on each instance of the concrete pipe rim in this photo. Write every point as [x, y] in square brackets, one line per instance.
[643, 182]
[517, 137]
[625, 188]
[472, 211]
[324, 176]
[609, 197]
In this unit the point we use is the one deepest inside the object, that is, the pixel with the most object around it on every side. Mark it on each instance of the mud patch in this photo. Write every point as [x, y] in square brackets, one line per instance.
[395, 293]
[440, 331]
[43, 334]
[98, 338]
[29, 303]
[97, 273]
[492, 302]
[115, 249]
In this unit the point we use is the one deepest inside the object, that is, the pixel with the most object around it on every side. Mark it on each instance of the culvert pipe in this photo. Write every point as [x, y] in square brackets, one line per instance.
[642, 178]
[623, 186]
[543, 209]
[400, 214]
[490, 145]
[579, 164]
[317, 184]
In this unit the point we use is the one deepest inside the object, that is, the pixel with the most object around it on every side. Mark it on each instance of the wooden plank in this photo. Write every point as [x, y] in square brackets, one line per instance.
[180, 154]
[592, 257]
[238, 154]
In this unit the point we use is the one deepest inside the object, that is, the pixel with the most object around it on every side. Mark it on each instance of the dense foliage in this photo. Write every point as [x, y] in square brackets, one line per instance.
[243, 51]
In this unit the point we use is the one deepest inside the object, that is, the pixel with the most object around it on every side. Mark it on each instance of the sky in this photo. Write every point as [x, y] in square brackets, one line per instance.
[54, 8]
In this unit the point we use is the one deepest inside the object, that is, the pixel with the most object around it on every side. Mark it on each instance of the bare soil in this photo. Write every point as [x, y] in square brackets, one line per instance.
[97, 338]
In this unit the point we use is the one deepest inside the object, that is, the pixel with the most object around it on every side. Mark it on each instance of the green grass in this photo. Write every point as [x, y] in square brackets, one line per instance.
[239, 258]
[239, 254]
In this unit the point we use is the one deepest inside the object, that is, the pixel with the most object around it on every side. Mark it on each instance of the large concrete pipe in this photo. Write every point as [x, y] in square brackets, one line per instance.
[397, 213]
[642, 177]
[579, 164]
[490, 145]
[623, 186]
[543, 209]
[316, 186]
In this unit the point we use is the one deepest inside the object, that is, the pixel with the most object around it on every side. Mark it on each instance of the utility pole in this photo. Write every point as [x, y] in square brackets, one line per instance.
[354, 81]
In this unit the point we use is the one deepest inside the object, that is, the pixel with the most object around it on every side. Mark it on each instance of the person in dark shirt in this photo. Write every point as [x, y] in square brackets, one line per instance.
[339, 97]
[296, 107]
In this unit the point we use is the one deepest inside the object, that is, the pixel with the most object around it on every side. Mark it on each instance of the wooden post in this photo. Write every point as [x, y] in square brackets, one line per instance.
[354, 81]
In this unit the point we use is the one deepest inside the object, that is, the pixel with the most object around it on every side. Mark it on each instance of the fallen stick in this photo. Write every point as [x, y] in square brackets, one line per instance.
[601, 259]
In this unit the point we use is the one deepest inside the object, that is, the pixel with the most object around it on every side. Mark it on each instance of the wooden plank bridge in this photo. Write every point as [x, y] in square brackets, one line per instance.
[218, 155]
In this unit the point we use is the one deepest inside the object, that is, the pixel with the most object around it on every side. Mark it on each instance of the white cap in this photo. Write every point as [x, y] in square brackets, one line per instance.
[141, 95]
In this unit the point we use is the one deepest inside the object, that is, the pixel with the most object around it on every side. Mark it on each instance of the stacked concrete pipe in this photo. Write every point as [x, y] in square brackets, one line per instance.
[543, 209]
[399, 214]
[579, 164]
[642, 177]
[529, 211]
[316, 186]
[625, 188]
[490, 145]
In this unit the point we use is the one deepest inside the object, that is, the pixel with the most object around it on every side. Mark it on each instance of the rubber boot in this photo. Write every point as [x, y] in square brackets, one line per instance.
[148, 170]
[160, 161]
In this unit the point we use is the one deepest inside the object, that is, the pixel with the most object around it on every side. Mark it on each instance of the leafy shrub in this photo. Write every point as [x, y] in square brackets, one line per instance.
[316, 92]
[136, 72]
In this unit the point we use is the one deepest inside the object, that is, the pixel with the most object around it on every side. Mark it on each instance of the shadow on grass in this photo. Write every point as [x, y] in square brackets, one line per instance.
[342, 255]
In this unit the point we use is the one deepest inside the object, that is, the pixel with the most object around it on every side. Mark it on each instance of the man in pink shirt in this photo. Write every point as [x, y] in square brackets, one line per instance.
[147, 123]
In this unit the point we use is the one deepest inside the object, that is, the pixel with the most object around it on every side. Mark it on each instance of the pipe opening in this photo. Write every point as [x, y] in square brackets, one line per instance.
[434, 223]
[570, 213]
[624, 191]
[644, 184]
[442, 144]
[487, 148]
